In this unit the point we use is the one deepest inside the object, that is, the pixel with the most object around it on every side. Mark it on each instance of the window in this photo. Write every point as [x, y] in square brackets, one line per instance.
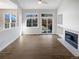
[31, 19]
[46, 15]
[10, 20]
[13, 20]
[32, 22]
[7, 20]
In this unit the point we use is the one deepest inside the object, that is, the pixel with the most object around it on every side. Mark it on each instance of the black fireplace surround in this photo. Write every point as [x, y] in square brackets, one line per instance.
[72, 39]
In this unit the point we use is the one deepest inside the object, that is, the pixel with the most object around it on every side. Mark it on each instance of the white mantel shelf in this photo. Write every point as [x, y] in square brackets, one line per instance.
[66, 27]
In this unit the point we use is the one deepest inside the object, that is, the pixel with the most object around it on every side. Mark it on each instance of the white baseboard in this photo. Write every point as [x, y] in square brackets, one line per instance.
[74, 51]
[7, 44]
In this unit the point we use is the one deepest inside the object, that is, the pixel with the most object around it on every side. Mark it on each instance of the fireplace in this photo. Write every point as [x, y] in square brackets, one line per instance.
[72, 39]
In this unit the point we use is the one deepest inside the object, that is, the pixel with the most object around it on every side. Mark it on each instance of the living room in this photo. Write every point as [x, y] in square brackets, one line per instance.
[40, 18]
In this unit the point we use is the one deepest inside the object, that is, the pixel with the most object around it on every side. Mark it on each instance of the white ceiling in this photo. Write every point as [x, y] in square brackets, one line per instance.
[33, 4]
[6, 4]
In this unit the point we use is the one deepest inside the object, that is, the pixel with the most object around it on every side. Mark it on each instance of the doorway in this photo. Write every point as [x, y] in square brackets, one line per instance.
[47, 21]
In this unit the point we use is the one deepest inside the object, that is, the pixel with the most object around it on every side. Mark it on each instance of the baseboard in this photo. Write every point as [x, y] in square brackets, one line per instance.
[2, 48]
[38, 34]
[74, 51]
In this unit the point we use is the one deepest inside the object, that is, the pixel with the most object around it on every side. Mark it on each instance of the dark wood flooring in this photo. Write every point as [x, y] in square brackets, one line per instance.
[36, 47]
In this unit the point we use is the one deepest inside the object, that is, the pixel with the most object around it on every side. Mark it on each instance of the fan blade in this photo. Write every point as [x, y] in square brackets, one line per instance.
[43, 1]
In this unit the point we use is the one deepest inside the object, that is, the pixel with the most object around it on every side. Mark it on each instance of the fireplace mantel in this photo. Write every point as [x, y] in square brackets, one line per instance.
[61, 32]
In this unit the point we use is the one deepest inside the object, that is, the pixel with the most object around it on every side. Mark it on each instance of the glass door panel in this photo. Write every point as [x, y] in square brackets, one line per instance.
[46, 25]
[49, 25]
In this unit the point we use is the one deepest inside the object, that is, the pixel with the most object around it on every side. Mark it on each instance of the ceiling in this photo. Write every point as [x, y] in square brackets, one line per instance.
[33, 4]
[6, 4]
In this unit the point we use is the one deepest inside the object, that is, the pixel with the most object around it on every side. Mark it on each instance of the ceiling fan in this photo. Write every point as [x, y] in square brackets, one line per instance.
[42, 2]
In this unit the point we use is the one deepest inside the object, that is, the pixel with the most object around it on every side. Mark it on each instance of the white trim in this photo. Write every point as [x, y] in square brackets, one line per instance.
[6, 44]
[74, 51]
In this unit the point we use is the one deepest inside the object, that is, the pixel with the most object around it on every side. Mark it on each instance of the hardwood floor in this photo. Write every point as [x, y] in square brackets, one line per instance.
[36, 47]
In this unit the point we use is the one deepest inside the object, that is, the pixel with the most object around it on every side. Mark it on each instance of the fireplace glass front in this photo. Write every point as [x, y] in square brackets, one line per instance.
[71, 38]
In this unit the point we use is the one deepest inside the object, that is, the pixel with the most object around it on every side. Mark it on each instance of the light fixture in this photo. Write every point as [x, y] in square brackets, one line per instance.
[39, 2]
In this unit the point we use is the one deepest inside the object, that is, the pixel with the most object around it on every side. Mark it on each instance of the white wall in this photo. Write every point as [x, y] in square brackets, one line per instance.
[37, 30]
[70, 11]
[9, 35]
